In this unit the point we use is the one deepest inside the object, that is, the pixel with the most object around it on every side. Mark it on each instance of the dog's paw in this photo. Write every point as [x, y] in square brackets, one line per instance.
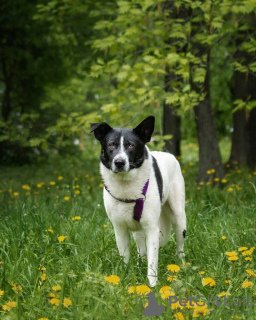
[152, 281]
[181, 255]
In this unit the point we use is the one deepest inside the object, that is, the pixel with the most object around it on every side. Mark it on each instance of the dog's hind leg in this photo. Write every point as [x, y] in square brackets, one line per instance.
[140, 239]
[176, 199]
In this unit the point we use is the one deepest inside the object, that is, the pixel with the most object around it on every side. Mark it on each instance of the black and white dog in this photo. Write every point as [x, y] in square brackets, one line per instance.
[144, 191]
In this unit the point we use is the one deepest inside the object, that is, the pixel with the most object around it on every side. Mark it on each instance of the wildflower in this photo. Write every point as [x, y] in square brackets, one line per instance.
[201, 272]
[230, 189]
[52, 183]
[231, 254]
[105, 226]
[141, 289]
[186, 264]
[172, 278]
[77, 192]
[60, 178]
[200, 310]
[62, 238]
[176, 305]
[15, 194]
[56, 288]
[201, 183]
[52, 295]
[228, 282]
[248, 252]
[66, 198]
[224, 237]
[43, 277]
[112, 279]
[17, 288]
[39, 185]
[43, 319]
[75, 178]
[76, 218]
[165, 292]
[101, 185]
[242, 248]
[191, 164]
[178, 316]
[9, 305]
[41, 268]
[233, 258]
[216, 179]
[247, 284]
[209, 171]
[55, 301]
[173, 268]
[208, 282]
[1, 293]
[250, 272]
[222, 294]
[248, 259]
[49, 230]
[224, 180]
[26, 187]
[67, 302]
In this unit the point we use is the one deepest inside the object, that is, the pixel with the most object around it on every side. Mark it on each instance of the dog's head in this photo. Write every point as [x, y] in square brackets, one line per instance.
[123, 149]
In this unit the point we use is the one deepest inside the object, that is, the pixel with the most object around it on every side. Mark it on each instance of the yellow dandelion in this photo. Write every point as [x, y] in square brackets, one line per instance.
[224, 238]
[242, 248]
[75, 178]
[52, 183]
[248, 252]
[209, 171]
[52, 295]
[49, 230]
[17, 288]
[56, 288]
[201, 272]
[216, 179]
[247, 284]
[233, 258]
[39, 185]
[67, 302]
[1, 293]
[101, 185]
[229, 189]
[41, 268]
[248, 259]
[224, 180]
[43, 319]
[15, 194]
[186, 264]
[250, 272]
[9, 305]
[62, 238]
[165, 292]
[113, 279]
[43, 277]
[173, 268]
[77, 192]
[201, 183]
[26, 187]
[66, 198]
[208, 282]
[60, 178]
[222, 294]
[176, 305]
[200, 311]
[141, 289]
[191, 164]
[172, 278]
[231, 253]
[228, 282]
[105, 225]
[76, 218]
[55, 301]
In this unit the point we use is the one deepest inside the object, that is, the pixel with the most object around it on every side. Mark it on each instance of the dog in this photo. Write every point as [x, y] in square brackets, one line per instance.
[144, 192]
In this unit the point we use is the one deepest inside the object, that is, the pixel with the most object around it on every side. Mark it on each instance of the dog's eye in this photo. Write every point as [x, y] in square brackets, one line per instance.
[130, 146]
[112, 145]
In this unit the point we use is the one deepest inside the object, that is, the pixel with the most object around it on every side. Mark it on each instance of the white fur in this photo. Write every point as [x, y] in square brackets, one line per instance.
[154, 227]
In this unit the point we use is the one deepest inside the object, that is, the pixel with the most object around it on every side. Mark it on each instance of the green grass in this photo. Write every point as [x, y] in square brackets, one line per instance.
[89, 253]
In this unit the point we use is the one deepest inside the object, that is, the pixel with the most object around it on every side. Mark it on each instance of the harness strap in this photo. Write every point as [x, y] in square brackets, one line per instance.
[139, 203]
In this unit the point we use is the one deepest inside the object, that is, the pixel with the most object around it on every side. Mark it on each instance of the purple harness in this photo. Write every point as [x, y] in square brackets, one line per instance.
[139, 203]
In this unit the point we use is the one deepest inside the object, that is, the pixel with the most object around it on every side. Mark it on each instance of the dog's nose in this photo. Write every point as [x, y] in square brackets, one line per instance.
[119, 163]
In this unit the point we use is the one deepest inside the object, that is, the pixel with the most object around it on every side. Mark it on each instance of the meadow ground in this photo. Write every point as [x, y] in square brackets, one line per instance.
[57, 247]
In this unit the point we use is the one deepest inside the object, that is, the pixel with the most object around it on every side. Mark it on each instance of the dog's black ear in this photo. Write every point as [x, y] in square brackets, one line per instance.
[100, 130]
[145, 129]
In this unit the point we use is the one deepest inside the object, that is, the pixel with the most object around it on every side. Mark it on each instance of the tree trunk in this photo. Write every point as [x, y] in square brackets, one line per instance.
[239, 147]
[251, 156]
[209, 152]
[171, 121]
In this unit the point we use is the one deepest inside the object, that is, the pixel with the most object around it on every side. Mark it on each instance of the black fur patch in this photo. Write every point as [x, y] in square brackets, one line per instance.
[159, 178]
[184, 233]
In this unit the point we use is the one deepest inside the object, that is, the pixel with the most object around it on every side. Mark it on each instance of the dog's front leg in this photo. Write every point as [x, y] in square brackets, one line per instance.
[123, 242]
[152, 252]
